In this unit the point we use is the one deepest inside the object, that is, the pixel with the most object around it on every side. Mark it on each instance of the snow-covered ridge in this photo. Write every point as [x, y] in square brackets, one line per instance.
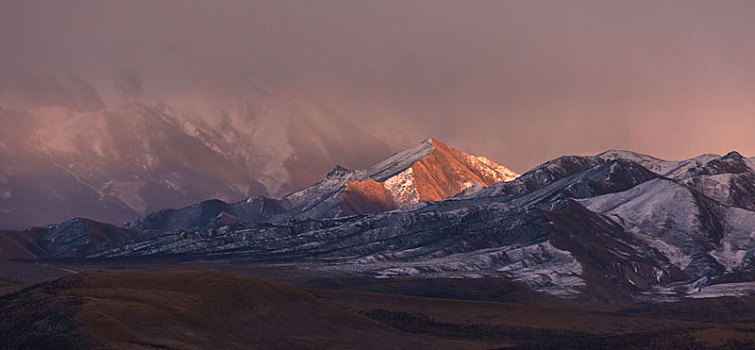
[388, 185]
[677, 170]
[492, 169]
[399, 162]
[333, 182]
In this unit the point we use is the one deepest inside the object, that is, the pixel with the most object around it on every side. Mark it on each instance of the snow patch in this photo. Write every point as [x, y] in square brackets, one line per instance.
[723, 290]
[660, 212]
[402, 188]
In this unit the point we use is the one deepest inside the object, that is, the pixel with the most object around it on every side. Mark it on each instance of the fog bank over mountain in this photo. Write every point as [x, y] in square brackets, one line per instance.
[487, 76]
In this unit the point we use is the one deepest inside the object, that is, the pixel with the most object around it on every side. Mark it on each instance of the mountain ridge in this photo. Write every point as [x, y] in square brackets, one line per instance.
[615, 227]
[442, 172]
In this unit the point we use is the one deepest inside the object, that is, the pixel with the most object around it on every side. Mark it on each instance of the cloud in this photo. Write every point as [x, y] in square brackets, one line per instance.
[521, 81]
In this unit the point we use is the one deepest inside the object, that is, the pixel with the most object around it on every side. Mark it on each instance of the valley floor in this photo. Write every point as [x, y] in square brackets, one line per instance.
[191, 305]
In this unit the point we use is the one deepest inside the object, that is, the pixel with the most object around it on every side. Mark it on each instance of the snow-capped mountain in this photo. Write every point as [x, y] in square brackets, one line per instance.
[118, 148]
[617, 226]
[614, 227]
[430, 171]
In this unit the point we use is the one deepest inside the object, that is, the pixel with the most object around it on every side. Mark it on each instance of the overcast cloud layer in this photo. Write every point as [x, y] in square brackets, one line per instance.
[519, 81]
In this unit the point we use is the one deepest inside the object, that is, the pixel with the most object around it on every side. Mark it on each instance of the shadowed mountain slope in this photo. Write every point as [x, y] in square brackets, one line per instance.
[71, 238]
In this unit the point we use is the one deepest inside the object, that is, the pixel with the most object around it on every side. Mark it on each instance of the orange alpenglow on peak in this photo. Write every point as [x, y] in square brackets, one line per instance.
[431, 171]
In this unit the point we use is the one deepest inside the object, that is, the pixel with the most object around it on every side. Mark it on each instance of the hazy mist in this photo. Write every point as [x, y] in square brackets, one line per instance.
[519, 81]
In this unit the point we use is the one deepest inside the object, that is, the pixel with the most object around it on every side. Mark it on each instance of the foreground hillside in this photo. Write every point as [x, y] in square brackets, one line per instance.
[182, 310]
[199, 309]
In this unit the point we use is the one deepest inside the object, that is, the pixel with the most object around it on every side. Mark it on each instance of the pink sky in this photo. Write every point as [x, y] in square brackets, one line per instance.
[519, 81]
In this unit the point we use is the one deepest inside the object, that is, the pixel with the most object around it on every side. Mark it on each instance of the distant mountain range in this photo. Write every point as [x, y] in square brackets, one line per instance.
[431, 171]
[617, 226]
[117, 150]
